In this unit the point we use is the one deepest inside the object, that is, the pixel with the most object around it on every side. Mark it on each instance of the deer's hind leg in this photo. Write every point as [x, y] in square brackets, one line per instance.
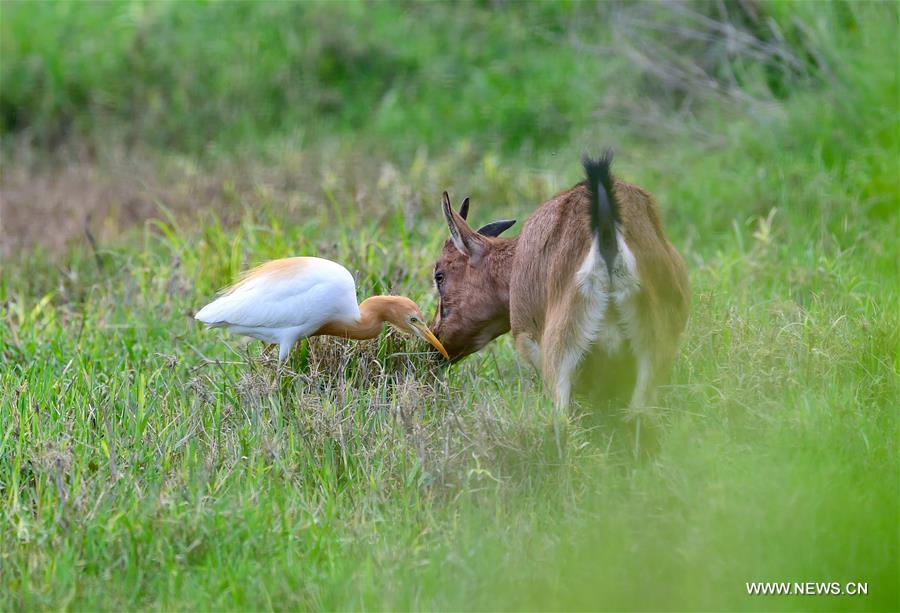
[574, 324]
[528, 350]
[570, 330]
[559, 357]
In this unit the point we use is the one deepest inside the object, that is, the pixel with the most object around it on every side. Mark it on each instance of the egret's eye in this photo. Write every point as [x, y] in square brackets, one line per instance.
[414, 319]
[439, 278]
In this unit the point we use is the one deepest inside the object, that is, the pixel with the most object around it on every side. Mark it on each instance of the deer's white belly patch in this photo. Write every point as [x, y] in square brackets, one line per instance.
[626, 286]
[594, 285]
[592, 281]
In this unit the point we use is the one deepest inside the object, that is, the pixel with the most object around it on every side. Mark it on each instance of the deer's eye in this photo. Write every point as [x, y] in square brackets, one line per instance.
[439, 278]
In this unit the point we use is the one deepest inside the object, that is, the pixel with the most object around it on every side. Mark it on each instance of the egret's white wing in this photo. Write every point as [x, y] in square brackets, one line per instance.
[292, 292]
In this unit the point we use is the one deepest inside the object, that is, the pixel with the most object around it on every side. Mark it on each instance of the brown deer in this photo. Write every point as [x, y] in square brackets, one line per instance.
[591, 273]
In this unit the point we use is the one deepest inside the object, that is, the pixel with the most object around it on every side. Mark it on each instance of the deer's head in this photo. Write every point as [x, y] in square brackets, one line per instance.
[472, 278]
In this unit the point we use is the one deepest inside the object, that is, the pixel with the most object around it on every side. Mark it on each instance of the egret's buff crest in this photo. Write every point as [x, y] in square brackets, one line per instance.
[283, 266]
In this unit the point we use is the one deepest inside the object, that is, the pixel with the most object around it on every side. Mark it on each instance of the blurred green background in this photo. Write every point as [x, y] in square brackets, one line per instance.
[152, 150]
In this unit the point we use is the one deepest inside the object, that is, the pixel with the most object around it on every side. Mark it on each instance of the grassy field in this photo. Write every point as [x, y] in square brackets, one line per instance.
[146, 463]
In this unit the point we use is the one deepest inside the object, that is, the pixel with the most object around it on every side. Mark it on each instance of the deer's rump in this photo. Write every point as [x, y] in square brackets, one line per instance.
[553, 244]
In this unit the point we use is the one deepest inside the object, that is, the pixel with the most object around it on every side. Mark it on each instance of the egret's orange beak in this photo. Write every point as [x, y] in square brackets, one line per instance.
[422, 331]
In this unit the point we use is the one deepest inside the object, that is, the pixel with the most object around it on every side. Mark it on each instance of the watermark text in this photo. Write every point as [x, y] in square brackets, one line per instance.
[807, 588]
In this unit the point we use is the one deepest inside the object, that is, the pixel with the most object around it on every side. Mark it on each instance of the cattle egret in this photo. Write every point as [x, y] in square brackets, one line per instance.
[285, 300]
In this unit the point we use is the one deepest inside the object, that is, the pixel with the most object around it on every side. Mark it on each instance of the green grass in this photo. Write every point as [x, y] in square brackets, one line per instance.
[146, 463]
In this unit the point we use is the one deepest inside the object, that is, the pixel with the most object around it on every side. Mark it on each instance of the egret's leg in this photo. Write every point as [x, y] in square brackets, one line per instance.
[284, 348]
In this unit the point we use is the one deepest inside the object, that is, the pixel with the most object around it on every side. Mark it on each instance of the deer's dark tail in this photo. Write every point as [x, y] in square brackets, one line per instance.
[604, 206]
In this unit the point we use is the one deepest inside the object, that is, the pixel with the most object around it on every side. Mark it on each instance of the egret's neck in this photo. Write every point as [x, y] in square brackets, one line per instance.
[373, 313]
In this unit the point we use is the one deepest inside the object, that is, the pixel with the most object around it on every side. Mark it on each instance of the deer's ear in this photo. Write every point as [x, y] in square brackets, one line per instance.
[464, 208]
[464, 238]
[496, 228]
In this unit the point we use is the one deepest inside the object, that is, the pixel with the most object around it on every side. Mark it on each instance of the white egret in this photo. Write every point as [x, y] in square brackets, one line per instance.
[285, 300]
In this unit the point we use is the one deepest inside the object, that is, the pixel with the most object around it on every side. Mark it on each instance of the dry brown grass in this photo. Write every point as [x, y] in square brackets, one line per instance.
[69, 199]
[70, 202]
[74, 197]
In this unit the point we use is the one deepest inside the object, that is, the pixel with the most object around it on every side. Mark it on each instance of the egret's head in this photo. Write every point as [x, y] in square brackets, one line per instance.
[406, 316]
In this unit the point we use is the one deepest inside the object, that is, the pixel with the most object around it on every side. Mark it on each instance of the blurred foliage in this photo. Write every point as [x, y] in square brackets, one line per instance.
[199, 76]
[186, 74]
